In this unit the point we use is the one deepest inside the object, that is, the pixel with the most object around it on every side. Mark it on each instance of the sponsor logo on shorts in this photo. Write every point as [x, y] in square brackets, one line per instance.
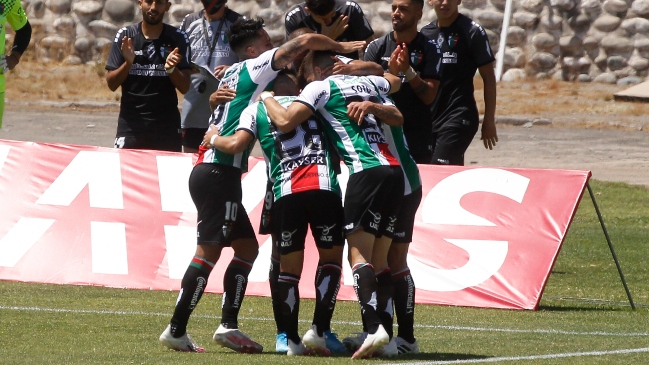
[325, 236]
[226, 229]
[287, 239]
[377, 220]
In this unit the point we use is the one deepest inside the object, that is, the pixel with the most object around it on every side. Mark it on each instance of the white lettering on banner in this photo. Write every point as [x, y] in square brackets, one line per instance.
[259, 272]
[253, 186]
[173, 177]
[108, 242]
[20, 238]
[442, 206]
[4, 152]
[99, 170]
[485, 259]
[181, 246]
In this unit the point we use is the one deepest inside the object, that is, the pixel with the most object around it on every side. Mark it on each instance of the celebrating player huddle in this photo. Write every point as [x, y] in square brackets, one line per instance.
[334, 110]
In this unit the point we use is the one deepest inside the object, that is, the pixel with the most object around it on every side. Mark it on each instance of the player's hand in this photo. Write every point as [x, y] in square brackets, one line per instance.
[219, 71]
[173, 59]
[357, 110]
[399, 60]
[349, 47]
[127, 50]
[489, 136]
[337, 27]
[221, 96]
[211, 131]
[341, 68]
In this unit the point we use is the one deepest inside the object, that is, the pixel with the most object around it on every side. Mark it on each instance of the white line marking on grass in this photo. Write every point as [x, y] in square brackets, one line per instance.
[532, 357]
[262, 319]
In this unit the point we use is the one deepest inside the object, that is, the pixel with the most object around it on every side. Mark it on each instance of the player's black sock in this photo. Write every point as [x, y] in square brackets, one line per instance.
[235, 281]
[290, 296]
[327, 283]
[404, 303]
[191, 290]
[384, 294]
[365, 288]
[273, 275]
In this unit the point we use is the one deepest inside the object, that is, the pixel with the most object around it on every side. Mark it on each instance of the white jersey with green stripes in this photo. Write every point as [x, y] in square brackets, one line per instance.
[399, 148]
[363, 146]
[248, 78]
[298, 160]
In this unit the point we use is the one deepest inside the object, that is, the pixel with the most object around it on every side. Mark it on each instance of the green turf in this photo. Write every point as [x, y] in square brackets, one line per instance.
[584, 309]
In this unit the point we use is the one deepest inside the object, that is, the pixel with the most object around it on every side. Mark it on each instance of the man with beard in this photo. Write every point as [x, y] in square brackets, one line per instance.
[149, 60]
[465, 49]
[340, 20]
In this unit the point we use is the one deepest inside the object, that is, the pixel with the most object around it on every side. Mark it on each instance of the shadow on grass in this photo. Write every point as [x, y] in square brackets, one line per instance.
[442, 356]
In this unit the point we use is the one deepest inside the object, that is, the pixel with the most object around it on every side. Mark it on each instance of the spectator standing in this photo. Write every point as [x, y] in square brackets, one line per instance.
[149, 60]
[12, 12]
[210, 50]
[340, 20]
[465, 49]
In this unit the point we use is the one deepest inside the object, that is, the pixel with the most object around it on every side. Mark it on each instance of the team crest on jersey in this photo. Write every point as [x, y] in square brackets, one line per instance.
[227, 228]
[165, 50]
[416, 58]
[452, 40]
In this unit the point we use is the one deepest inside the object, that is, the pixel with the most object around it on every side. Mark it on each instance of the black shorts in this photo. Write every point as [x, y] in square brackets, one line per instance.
[372, 200]
[406, 217]
[193, 137]
[266, 221]
[451, 142]
[322, 210]
[161, 142]
[216, 192]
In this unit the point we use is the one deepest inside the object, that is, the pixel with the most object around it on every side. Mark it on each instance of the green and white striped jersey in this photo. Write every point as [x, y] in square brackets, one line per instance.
[298, 160]
[399, 148]
[248, 78]
[361, 147]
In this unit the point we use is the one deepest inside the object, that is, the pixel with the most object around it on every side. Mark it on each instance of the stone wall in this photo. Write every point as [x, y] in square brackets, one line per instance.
[582, 40]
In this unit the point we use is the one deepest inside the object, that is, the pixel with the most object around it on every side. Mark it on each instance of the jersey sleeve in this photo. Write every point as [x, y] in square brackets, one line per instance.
[115, 57]
[184, 49]
[372, 52]
[345, 60]
[292, 20]
[248, 119]
[383, 86]
[433, 61]
[315, 95]
[480, 48]
[358, 24]
[16, 17]
[260, 69]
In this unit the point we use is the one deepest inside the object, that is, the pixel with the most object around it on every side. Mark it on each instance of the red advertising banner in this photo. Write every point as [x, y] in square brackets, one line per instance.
[484, 237]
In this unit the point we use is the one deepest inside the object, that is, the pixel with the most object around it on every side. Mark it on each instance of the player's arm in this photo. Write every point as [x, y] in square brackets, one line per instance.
[231, 145]
[180, 78]
[121, 53]
[489, 135]
[425, 89]
[287, 52]
[357, 68]
[21, 42]
[285, 119]
[388, 114]
[395, 82]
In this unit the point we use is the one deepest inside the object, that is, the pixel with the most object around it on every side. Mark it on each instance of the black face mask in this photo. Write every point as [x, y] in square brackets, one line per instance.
[213, 6]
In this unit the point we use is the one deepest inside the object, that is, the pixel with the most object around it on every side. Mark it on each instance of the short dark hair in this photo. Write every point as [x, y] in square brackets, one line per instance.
[418, 2]
[320, 7]
[323, 59]
[243, 32]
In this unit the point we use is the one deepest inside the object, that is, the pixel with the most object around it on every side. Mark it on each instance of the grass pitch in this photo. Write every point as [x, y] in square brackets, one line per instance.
[584, 317]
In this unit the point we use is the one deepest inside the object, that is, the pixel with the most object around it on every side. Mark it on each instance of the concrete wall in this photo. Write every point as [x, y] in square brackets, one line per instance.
[584, 40]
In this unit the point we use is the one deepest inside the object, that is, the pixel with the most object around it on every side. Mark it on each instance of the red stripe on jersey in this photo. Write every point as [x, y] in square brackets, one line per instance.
[385, 151]
[305, 178]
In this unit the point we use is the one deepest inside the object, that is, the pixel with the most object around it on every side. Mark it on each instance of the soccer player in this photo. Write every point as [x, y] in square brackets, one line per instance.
[215, 186]
[416, 59]
[340, 20]
[306, 193]
[12, 12]
[350, 108]
[210, 50]
[150, 61]
[465, 49]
